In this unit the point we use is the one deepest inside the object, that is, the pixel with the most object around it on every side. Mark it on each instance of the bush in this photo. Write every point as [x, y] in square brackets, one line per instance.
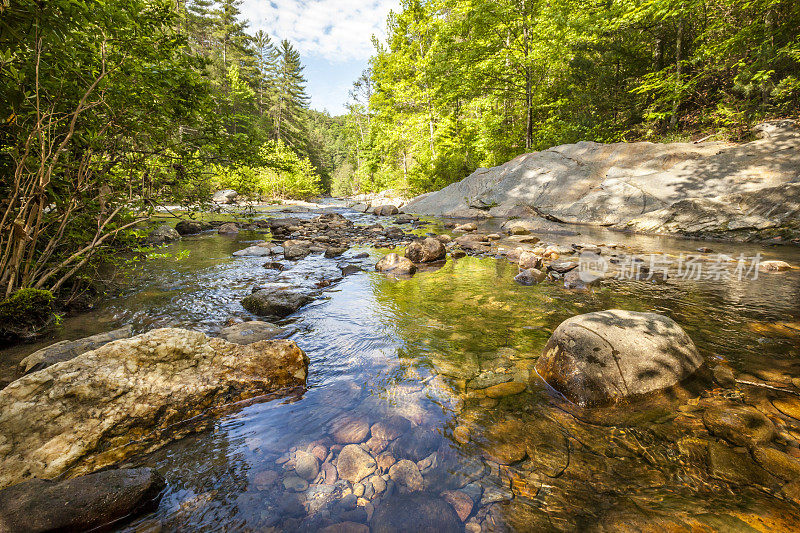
[25, 313]
[275, 172]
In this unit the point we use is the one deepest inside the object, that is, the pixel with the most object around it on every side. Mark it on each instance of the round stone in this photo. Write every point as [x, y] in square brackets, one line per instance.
[739, 424]
[349, 429]
[306, 465]
[354, 464]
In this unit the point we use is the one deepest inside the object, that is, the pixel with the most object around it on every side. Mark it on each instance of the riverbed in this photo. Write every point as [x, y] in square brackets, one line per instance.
[383, 347]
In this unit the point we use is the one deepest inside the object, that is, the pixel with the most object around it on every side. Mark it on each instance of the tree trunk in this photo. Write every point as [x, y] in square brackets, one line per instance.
[673, 120]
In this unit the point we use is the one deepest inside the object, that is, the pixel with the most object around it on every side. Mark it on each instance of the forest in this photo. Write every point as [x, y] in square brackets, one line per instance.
[461, 84]
[112, 108]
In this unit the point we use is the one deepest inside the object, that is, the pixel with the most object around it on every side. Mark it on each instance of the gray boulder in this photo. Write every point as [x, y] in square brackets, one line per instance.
[278, 301]
[66, 350]
[79, 504]
[710, 188]
[607, 356]
[163, 234]
[426, 251]
[250, 332]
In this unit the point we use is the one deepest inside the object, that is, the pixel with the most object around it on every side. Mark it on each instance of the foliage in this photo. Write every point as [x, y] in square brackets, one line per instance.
[460, 84]
[276, 172]
[25, 311]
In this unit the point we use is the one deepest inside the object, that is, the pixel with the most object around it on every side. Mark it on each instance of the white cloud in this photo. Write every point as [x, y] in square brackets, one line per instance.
[338, 30]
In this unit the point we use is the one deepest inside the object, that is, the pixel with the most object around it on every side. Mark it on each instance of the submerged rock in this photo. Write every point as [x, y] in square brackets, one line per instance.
[277, 301]
[419, 511]
[354, 464]
[603, 357]
[395, 264]
[66, 350]
[739, 424]
[163, 234]
[253, 251]
[250, 332]
[79, 504]
[426, 251]
[120, 399]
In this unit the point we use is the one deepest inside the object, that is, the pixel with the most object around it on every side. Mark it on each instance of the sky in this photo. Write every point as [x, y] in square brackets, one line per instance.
[334, 38]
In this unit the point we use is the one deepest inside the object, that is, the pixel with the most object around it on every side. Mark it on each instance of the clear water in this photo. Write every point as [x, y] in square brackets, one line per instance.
[381, 347]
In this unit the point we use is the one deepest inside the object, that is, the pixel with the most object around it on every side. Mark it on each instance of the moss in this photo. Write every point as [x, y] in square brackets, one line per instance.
[26, 312]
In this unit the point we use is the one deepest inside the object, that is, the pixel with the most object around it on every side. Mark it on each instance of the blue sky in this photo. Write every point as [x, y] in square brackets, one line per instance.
[333, 37]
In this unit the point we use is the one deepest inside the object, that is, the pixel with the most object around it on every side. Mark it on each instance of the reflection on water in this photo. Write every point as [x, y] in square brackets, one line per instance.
[407, 362]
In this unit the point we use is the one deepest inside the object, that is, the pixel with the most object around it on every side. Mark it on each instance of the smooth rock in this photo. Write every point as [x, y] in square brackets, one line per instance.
[501, 390]
[773, 266]
[306, 465]
[66, 350]
[229, 228]
[530, 276]
[349, 429]
[420, 512]
[354, 464]
[253, 251]
[416, 444]
[163, 234]
[426, 251]
[528, 260]
[188, 227]
[345, 527]
[110, 403]
[777, 463]
[462, 504]
[277, 301]
[396, 264]
[249, 332]
[79, 504]
[385, 210]
[295, 483]
[406, 474]
[739, 424]
[469, 226]
[226, 196]
[390, 428]
[604, 357]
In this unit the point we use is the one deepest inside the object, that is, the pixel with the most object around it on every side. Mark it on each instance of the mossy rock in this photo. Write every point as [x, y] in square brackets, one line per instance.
[26, 313]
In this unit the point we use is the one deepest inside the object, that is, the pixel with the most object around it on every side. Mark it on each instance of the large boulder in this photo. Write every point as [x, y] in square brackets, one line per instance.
[129, 396]
[607, 356]
[422, 512]
[227, 196]
[426, 251]
[66, 350]
[163, 234]
[278, 301]
[80, 504]
[720, 185]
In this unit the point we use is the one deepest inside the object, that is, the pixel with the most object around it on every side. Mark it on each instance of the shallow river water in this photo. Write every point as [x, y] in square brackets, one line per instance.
[422, 348]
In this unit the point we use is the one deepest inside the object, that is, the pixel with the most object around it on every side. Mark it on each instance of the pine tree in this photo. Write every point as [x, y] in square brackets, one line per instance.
[267, 59]
[291, 98]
